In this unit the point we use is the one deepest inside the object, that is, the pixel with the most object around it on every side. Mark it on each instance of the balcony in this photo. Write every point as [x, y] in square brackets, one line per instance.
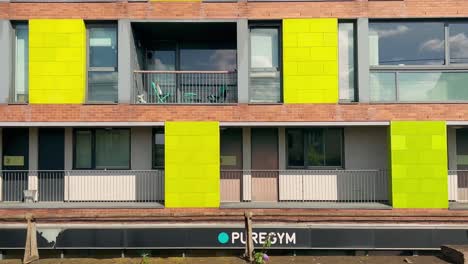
[184, 62]
[185, 87]
[304, 188]
[78, 187]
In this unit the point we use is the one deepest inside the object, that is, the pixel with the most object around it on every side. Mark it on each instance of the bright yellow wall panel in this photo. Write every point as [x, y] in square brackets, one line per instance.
[192, 164]
[310, 60]
[57, 61]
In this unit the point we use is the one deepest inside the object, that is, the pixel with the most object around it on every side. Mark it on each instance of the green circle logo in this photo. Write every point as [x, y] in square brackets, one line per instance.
[223, 237]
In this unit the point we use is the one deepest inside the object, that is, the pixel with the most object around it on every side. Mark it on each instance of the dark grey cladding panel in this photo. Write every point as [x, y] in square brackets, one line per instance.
[404, 238]
[342, 238]
[94, 238]
[330, 238]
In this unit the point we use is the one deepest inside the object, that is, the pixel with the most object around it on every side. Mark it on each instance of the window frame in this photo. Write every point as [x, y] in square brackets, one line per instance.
[355, 99]
[12, 89]
[396, 69]
[93, 148]
[101, 24]
[265, 25]
[304, 150]
[153, 145]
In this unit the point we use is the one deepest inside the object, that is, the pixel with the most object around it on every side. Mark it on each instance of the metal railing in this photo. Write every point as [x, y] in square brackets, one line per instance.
[83, 186]
[185, 87]
[304, 186]
[458, 185]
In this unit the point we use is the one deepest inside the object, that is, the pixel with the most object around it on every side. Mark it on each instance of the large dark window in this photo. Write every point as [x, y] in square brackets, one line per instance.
[102, 148]
[102, 63]
[158, 148]
[315, 147]
[418, 61]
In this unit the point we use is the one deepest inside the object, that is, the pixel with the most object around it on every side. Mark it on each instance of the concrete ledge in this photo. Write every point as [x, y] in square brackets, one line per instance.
[79, 205]
[305, 205]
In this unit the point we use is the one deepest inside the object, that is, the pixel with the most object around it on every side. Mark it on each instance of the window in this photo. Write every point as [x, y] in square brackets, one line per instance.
[102, 63]
[265, 75]
[21, 62]
[418, 61]
[158, 148]
[102, 149]
[314, 147]
[346, 61]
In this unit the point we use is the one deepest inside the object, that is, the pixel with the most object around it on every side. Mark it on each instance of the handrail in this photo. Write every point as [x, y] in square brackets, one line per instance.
[219, 72]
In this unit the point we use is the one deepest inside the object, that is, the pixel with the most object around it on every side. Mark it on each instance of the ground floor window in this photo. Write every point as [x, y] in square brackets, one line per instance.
[158, 148]
[101, 148]
[315, 147]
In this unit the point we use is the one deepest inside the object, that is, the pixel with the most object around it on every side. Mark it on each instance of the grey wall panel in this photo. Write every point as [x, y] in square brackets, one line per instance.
[243, 60]
[366, 147]
[124, 59]
[33, 148]
[6, 71]
[363, 59]
[452, 148]
[68, 148]
[141, 138]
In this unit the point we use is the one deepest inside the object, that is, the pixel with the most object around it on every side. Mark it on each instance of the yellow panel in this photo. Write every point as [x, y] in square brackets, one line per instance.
[192, 164]
[57, 61]
[310, 60]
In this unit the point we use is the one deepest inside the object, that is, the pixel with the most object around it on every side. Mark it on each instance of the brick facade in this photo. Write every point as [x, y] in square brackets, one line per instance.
[252, 10]
[233, 113]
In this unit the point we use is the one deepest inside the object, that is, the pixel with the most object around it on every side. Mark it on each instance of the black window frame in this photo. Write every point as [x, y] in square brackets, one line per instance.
[93, 148]
[304, 150]
[155, 131]
[268, 24]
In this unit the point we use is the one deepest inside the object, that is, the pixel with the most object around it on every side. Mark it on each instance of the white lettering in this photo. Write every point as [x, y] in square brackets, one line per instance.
[280, 236]
[242, 239]
[291, 238]
[262, 237]
[234, 237]
[254, 237]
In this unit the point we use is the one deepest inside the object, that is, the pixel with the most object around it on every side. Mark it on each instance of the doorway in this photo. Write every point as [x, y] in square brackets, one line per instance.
[51, 164]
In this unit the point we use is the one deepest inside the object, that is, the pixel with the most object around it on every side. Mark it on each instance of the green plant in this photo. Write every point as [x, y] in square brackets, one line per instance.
[145, 257]
[261, 257]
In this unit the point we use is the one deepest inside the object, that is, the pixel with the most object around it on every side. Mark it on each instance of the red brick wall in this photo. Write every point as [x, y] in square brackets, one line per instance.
[241, 112]
[259, 10]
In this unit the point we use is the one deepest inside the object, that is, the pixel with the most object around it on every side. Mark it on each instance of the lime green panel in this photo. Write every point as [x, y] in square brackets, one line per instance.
[419, 164]
[192, 164]
[310, 60]
[57, 61]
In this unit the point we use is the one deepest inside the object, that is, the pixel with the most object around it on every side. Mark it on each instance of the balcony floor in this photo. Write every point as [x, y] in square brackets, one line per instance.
[305, 205]
[79, 205]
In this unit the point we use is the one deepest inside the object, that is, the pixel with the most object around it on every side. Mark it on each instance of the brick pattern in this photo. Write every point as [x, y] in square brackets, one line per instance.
[310, 60]
[191, 164]
[254, 10]
[57, 63]
[217, 215]
[232, 113]
[419, 164]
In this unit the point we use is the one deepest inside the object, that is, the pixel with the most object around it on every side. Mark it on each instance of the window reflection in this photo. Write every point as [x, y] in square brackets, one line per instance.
[407, 43]
[458, 41]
